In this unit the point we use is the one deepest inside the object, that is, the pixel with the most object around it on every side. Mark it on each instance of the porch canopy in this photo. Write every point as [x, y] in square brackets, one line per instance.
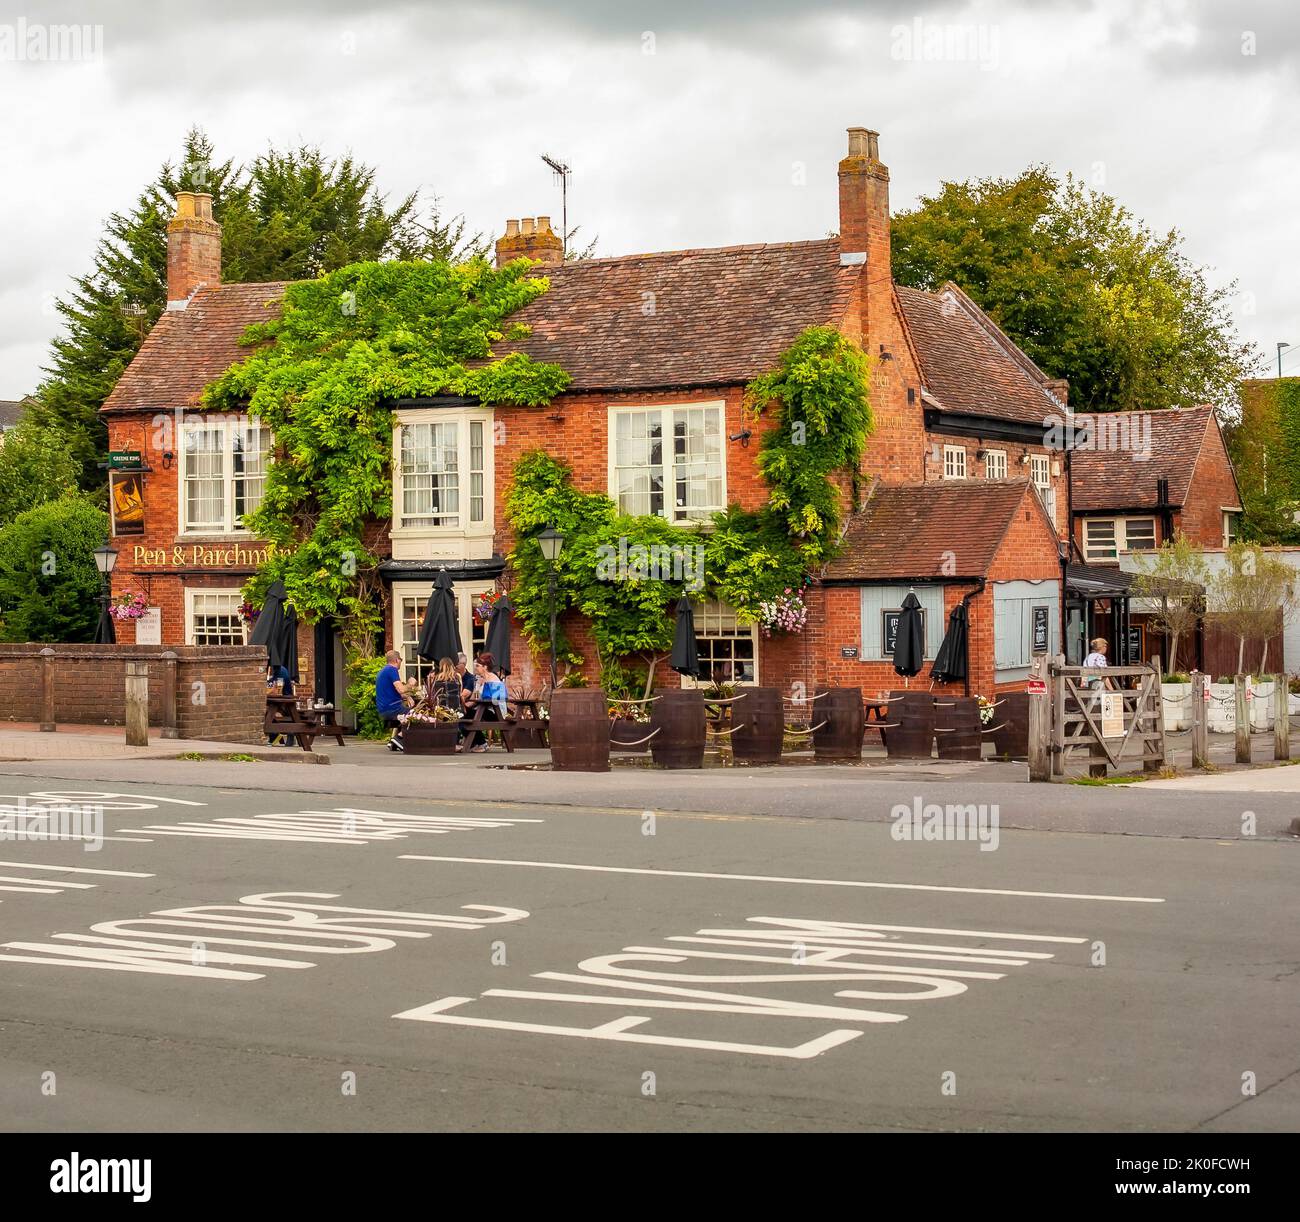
[1093, 583]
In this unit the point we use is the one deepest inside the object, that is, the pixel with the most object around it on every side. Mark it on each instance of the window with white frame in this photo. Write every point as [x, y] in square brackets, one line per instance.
[223, 474]
[409, 603]
[668, 461]
[954, 462]
[1105, 538]
[728, 650]
[1231, 529]
[212, 618]
[1040, 475]
[440, 473]
[995, 464]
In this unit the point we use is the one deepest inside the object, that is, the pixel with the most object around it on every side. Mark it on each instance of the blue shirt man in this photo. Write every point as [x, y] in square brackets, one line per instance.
[389, 693]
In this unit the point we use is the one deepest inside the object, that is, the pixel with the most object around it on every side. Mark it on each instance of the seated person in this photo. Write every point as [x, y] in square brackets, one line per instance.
[392, 697]
[443, 687]
[490, 693]
[278, 683]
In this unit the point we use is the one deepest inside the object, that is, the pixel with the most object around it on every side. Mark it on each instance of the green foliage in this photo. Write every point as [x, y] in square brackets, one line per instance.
[35, 467]
[344, 346]
[1249, 594]
[362, 673]
[289, 216]
[1086, 289]
[1264, 442]
[821, 393]
[49, 585]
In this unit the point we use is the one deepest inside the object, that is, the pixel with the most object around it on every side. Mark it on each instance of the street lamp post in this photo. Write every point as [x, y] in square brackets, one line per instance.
[105, 559]
[1280, 346]
[551, 543]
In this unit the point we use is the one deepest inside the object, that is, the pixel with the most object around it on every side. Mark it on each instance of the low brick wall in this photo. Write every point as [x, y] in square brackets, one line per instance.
[220, 690]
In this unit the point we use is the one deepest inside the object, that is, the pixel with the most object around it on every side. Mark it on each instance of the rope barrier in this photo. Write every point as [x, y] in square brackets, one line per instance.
[639, 741]
[810, 730]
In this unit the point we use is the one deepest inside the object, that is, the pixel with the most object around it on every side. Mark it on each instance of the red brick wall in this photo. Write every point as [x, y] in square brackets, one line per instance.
[1212, 487]
[220, 692]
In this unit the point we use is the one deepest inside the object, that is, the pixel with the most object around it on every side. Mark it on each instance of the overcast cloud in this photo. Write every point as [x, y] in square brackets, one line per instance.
[686, 122]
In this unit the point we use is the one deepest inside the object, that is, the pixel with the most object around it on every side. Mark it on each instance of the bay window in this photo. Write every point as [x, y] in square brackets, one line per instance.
[668, 461]
[222, 473]
[442, 478]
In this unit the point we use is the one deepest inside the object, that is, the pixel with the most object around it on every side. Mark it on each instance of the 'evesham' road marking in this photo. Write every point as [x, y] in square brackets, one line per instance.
[773, 878]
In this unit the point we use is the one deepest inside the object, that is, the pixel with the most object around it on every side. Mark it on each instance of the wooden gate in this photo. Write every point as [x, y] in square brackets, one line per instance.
[1113, 726]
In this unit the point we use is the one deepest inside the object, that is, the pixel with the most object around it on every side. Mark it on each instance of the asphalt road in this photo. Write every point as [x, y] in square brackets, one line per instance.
[700, 972]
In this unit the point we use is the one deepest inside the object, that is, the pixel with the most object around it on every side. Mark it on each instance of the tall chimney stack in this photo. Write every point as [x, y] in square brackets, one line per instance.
[533, 238]
[864, 199]
[193, 248]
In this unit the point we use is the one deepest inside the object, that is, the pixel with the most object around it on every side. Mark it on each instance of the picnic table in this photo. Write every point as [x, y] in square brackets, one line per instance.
[304, 722]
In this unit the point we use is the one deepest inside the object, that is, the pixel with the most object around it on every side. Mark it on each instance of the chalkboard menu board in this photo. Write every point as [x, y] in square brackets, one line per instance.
[889, 630]
[1041, 631]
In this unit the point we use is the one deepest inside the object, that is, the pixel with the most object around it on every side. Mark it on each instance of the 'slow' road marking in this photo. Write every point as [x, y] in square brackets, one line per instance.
[775, 878]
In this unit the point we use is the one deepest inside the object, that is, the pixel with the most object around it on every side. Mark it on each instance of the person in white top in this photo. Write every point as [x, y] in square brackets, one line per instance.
[1096, 660]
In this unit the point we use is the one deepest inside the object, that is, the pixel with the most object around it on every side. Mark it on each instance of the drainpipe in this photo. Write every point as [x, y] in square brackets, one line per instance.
[965, 602]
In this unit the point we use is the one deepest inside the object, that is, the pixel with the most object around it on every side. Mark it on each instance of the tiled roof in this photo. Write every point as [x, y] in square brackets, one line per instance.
[1117, 463]
[188, 348]
[949, 528]
[11, 411]
[684, 318]
[969, 365]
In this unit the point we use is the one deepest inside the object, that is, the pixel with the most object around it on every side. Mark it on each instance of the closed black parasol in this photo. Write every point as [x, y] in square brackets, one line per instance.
[950, 664]
[498, 635]
[909, 649]
[685, 657]
[277, 629]
[439, 631]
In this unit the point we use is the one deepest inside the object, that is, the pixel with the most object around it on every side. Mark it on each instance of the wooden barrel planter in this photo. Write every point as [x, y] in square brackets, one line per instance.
[758, 726]
[1011, 719]
[957, 729]
[913, 737]
[579, 730]
[628, 735]
[840, 738]
[679, 718]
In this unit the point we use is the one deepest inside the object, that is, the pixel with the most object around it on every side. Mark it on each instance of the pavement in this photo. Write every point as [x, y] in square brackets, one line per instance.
[247, 958]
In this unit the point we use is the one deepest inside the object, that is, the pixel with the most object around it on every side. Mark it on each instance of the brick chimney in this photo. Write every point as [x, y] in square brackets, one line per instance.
[193, 248]
[864, 202]
[530, 239]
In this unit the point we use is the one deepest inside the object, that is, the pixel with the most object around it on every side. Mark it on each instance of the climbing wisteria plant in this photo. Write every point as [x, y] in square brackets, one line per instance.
[320, 377]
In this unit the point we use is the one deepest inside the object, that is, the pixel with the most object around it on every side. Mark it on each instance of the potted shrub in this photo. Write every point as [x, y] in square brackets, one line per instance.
[1176, 691]
[431, 731]
[629, 723]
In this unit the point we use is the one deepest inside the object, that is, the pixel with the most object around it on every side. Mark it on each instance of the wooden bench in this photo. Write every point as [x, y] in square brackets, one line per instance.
[285, 717]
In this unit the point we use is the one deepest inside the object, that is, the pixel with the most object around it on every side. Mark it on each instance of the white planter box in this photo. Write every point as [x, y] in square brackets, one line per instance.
[1261, 706]
[1178, 705]
[1222, 709]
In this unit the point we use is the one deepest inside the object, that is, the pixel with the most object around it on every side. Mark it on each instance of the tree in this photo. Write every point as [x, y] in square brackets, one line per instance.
[289, 216]
[1248, 594]
[1175, 575]
[49, 585]
[1090, 293]
[35, 467]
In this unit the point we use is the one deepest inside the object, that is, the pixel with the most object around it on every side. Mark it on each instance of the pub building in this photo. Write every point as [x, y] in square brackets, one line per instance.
[966, 500]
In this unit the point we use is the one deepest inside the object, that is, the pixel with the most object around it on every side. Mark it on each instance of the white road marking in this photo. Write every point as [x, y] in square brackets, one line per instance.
[31, 865]
[55, 886]
[344, 825]
[820, 954]
[774, 878]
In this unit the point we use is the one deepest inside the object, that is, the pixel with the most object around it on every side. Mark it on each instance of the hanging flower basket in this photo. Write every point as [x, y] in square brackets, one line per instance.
[248, 613]
[486, 605]
[787, 613]
[128, 606]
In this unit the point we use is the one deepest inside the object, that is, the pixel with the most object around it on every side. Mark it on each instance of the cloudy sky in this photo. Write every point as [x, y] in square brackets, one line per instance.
[686, 122]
